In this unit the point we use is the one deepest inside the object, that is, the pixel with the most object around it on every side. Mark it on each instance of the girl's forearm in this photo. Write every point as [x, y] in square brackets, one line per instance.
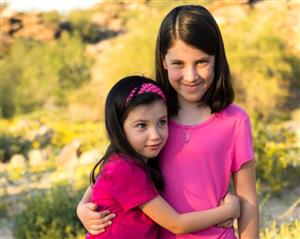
[245, 187]
[248, 223]
[86, 196]
[164, 215]
[195, 221]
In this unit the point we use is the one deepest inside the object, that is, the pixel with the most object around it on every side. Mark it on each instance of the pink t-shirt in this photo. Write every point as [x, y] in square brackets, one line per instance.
[121, 187]
[197, 173]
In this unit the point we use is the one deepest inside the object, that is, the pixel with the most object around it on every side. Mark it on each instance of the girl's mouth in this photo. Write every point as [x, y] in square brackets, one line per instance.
[154, 146]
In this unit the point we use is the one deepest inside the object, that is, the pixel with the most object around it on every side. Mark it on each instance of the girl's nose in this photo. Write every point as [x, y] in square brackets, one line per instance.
[191, 74]
[154, 134]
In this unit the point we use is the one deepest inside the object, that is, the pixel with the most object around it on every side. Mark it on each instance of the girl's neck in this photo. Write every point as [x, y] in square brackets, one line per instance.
[192, 114]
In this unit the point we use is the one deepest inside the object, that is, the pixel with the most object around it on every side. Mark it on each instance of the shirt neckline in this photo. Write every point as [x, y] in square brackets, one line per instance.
[201, 124]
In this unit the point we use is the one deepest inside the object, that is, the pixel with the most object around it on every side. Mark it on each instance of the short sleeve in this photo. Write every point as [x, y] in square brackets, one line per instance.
[243, 145]
[128, 184]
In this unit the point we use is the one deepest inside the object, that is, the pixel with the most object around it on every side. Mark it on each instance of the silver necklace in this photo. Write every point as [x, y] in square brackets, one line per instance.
[187, 133]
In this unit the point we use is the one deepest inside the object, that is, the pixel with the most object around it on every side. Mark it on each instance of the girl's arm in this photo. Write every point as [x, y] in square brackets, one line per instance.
[164, 215]
[245, 188]
[93, 221]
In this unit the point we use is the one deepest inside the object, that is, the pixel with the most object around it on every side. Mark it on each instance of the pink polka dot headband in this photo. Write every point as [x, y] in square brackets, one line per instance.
[146, 88]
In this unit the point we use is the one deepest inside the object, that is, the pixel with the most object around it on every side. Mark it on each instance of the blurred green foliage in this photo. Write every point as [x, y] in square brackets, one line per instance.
[13, 145]
[283, 231]
[277, 156]
[264, 65]
[42, 74]
[49, 214]
[51, 18]
[19, 136]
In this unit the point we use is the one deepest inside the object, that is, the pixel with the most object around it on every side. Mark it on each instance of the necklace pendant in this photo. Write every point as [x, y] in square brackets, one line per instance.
[186, 137]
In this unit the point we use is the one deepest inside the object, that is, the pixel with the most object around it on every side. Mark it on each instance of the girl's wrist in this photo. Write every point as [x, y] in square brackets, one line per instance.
[229, 210]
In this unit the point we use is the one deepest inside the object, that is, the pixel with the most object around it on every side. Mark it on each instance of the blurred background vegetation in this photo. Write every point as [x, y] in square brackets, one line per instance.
[56, 70]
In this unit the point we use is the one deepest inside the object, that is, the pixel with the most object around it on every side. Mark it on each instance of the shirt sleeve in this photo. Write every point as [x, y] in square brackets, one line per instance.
[128, 184]
[243, 146]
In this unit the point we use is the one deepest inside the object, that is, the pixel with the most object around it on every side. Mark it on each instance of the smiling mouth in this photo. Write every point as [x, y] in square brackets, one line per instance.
[194, 85]
[154, 147]
[193, 88]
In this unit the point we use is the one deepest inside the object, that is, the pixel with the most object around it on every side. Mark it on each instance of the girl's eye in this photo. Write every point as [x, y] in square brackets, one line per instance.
[202, 63]
[177, 64]
[162, 122]
[141, 125]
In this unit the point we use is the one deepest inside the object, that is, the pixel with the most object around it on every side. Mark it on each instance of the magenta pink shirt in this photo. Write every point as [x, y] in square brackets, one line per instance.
[121, 187]
[197, 173]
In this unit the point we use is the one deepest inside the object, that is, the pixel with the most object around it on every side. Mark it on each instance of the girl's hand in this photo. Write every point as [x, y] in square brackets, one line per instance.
[228, 223]
[94, 222]
[234, 202]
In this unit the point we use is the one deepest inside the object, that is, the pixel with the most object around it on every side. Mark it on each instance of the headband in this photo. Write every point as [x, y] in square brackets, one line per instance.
[146, 88]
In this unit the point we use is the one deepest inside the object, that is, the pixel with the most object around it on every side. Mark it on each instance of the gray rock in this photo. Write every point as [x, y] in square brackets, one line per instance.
[89, 157]
[36, 157]
[68, 156]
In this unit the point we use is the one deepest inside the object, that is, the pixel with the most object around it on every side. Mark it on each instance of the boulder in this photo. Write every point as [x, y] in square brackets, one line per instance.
[18, 160]
[36, 157]
[89, 157]
[68, 156]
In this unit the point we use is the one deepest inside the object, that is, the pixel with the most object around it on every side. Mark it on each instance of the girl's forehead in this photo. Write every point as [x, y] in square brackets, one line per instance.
[157, 108]
[180, 49]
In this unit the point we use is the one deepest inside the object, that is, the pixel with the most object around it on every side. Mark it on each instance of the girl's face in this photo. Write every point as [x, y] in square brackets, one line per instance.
[146, 128]
[190, 71]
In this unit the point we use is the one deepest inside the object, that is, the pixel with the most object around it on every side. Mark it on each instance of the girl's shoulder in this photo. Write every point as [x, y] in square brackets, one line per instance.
[119, 162]
[234, 111]
[120, 166]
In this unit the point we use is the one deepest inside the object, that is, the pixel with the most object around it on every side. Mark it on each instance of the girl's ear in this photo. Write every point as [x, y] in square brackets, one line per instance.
[165, 64]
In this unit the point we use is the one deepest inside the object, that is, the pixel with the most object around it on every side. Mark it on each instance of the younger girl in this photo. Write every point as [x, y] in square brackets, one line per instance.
[136, 123]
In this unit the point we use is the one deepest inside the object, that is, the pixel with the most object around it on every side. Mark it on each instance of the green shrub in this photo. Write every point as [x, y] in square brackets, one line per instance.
[44, 76]
[3, 204]
[263, 65]
[51, 18]
[50, 214]
[19, 135]
[13, 145]
[282, 231]
[277, 155]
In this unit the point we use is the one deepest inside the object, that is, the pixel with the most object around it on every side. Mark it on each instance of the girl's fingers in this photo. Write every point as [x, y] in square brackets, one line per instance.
[228, 223]
[91, 206]
[222, 224]
[107, 218]
[94, 215]
[98, 227]
[95, 232]
[104, 213]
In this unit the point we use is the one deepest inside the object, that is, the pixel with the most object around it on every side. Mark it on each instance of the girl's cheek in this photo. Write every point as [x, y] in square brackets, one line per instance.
[207, 75]
[173, 75]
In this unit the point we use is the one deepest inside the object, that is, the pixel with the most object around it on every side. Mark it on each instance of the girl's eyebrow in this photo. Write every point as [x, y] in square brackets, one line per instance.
[163, 117]
[145, 121]
[204, 58]
[139, 121]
